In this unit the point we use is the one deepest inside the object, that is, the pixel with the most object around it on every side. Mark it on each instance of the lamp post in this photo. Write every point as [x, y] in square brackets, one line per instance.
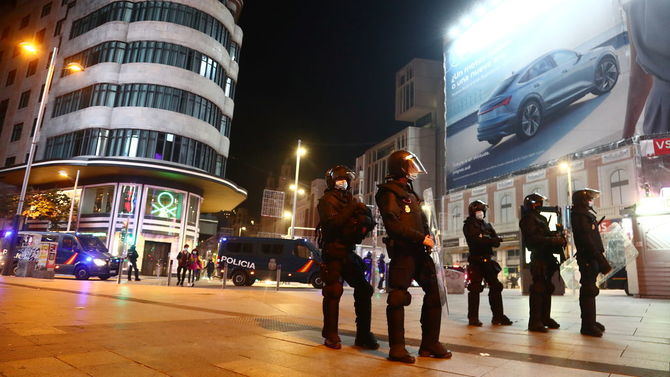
[239, 234]
[63, 173]
[31, 48]
[299, 153]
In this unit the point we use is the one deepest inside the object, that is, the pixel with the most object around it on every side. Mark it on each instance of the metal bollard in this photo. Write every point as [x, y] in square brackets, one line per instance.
[224, 278]
[169, 274]
[278, 276]
[118, 277]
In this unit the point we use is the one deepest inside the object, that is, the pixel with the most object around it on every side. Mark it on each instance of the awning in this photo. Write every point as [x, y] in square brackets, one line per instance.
[219, 194]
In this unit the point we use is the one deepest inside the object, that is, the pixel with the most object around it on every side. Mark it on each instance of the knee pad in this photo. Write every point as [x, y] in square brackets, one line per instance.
[475, 288]
[333, 290]
[399, 297]
[496, 287]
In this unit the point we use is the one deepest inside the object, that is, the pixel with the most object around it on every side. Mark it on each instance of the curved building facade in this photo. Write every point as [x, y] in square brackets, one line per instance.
[146, 124]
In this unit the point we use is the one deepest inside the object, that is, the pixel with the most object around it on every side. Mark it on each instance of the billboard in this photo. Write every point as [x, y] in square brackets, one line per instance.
[273, 203]
[530, 81]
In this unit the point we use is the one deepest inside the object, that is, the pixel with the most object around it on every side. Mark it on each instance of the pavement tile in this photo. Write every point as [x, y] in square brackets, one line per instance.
[86, 359]
[34, 366]
[124, 369]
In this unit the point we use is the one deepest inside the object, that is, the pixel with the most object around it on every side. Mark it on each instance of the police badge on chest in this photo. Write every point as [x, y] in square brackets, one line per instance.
[407, 203]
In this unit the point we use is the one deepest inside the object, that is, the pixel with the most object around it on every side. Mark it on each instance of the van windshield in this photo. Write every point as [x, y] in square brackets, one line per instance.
[91, 243]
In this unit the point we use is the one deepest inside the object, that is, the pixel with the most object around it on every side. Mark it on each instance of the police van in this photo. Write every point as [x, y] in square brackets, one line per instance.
[250, 259]
[77, 254]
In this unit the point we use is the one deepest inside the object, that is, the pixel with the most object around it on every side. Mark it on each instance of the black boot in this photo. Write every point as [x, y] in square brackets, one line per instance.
[395, 317]
[502, 320]
[330, 320]
[546, 314]
[600, 326]
[363, 309]
[367, 341]
[535, 321]
[431, 317]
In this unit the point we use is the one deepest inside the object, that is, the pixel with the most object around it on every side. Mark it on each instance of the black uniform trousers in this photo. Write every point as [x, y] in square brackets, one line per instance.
[409, 264]
[344, 265]
[589, 269]
[484, 271]
[132, 264]
[541, 288]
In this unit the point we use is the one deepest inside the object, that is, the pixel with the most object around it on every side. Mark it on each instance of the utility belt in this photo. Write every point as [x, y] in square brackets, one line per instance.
[486, 263]
[395, 247]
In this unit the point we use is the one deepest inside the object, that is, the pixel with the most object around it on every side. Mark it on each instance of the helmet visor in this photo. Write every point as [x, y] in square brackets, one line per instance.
[414, 165]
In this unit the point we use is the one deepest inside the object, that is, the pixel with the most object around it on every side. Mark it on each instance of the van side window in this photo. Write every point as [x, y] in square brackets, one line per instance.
[301, 251]
[238, 247]
[68, 243]
[272, 249]
[49, 238]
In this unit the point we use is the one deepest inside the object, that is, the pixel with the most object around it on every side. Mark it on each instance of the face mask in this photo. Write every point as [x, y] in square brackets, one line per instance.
[412, 176]
[479, 215]
[341, 185]
[591, 203]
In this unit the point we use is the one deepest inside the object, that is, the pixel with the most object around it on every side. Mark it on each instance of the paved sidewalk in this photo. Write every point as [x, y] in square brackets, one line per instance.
[65, 327]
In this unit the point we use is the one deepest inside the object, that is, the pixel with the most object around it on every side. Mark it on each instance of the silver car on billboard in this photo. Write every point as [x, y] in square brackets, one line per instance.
[520, 104]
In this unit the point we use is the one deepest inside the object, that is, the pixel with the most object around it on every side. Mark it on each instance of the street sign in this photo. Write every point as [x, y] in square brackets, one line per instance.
[273, 203]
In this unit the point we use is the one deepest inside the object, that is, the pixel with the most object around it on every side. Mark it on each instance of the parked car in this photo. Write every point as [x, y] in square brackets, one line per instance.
[250, 259]
[521, 102]
[78, 254]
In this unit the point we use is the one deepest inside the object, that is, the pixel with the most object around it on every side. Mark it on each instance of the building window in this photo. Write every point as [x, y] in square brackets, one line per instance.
[46, 10]
[32, 68]
[456, 219]
[25, 98]
[9, 161]
[10, 78]
[128, 200]
[3, 112]
[618, 183]
[97, 201]
[142, 95]
[39, 98]
[24, 22]
[193, 205]
[58, 28]
[39, 36]
[110, 51]
[506, 215]
[17, 130]
[136, 143]
[154, 11]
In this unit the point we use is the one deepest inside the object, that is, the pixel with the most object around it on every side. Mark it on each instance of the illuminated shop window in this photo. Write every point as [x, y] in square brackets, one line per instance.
[97, 200]
[128, 200]
[164, 204]
[193, 205]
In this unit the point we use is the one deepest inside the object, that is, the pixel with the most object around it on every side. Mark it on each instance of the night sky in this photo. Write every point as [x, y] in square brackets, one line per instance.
[324, 71]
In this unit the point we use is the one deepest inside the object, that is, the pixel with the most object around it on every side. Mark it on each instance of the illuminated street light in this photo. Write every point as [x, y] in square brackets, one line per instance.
[30, 48]
[288, 215]
[300, 151]
[74, 67]
[63, 173]
[241, 229]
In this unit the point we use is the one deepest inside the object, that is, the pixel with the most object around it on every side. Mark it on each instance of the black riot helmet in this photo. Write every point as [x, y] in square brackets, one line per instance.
[338, 173]
[581, 198]
[532, 201]
[477, 205]
[403, 164]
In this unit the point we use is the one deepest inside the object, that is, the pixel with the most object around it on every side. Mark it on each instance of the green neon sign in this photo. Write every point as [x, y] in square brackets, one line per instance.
[165, 205]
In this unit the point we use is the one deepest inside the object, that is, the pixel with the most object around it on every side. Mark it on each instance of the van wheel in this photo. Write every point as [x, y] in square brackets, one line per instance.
[316, 280]
[81, 273]
[240, 278]
[103, 277]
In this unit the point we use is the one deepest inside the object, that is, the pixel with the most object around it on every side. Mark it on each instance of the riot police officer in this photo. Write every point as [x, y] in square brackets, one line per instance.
[408, 245]
[590, 257]
[481, 239]
[543, 244]
[344, 222]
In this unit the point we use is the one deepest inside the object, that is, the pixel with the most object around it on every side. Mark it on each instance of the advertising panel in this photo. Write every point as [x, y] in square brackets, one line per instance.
[529, 81]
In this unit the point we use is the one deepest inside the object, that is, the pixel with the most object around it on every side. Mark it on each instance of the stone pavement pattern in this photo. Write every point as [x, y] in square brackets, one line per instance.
[65, 327]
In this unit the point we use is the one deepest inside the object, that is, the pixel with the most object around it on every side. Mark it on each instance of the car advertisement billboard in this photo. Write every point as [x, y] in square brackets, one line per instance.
[529, 81]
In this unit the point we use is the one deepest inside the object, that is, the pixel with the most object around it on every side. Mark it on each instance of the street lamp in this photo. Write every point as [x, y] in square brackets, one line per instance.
[32, 48]
[299, 152]
[63, 173]
[239, 234]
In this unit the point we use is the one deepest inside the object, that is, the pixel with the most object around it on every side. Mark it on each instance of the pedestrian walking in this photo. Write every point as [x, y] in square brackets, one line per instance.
[210, 268]
[368, 266]
[182, 265]
[132, 263]
[194, 267]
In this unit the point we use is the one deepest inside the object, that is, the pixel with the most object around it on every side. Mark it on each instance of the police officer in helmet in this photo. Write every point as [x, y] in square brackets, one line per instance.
[590, 257]
[481, 239]
[543, 243]
[343, 222]
[408, 245]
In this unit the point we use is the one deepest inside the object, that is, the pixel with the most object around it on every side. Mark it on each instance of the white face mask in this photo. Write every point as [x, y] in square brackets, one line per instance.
[412, 176]
[341, 185]
[479, 215]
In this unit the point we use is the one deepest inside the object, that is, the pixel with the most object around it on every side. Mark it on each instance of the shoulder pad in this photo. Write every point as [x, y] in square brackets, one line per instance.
[395, 189]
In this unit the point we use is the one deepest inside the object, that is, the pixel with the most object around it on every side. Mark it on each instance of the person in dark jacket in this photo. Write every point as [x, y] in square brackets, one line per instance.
[343, 222]
[481, 239]
[381, 267]
[132, 263]
[408, 245]
[210, 268]
[543, 243]
[367, 261]
[182, 265]
[590, 257]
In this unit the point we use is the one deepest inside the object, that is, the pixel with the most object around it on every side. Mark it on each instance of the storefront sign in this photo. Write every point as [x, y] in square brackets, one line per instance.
[662, 146]
[451, 242]
[509, 236]
[166, 205]
[505, 184]
[456, 196]
[536, 175]
[478, 190]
